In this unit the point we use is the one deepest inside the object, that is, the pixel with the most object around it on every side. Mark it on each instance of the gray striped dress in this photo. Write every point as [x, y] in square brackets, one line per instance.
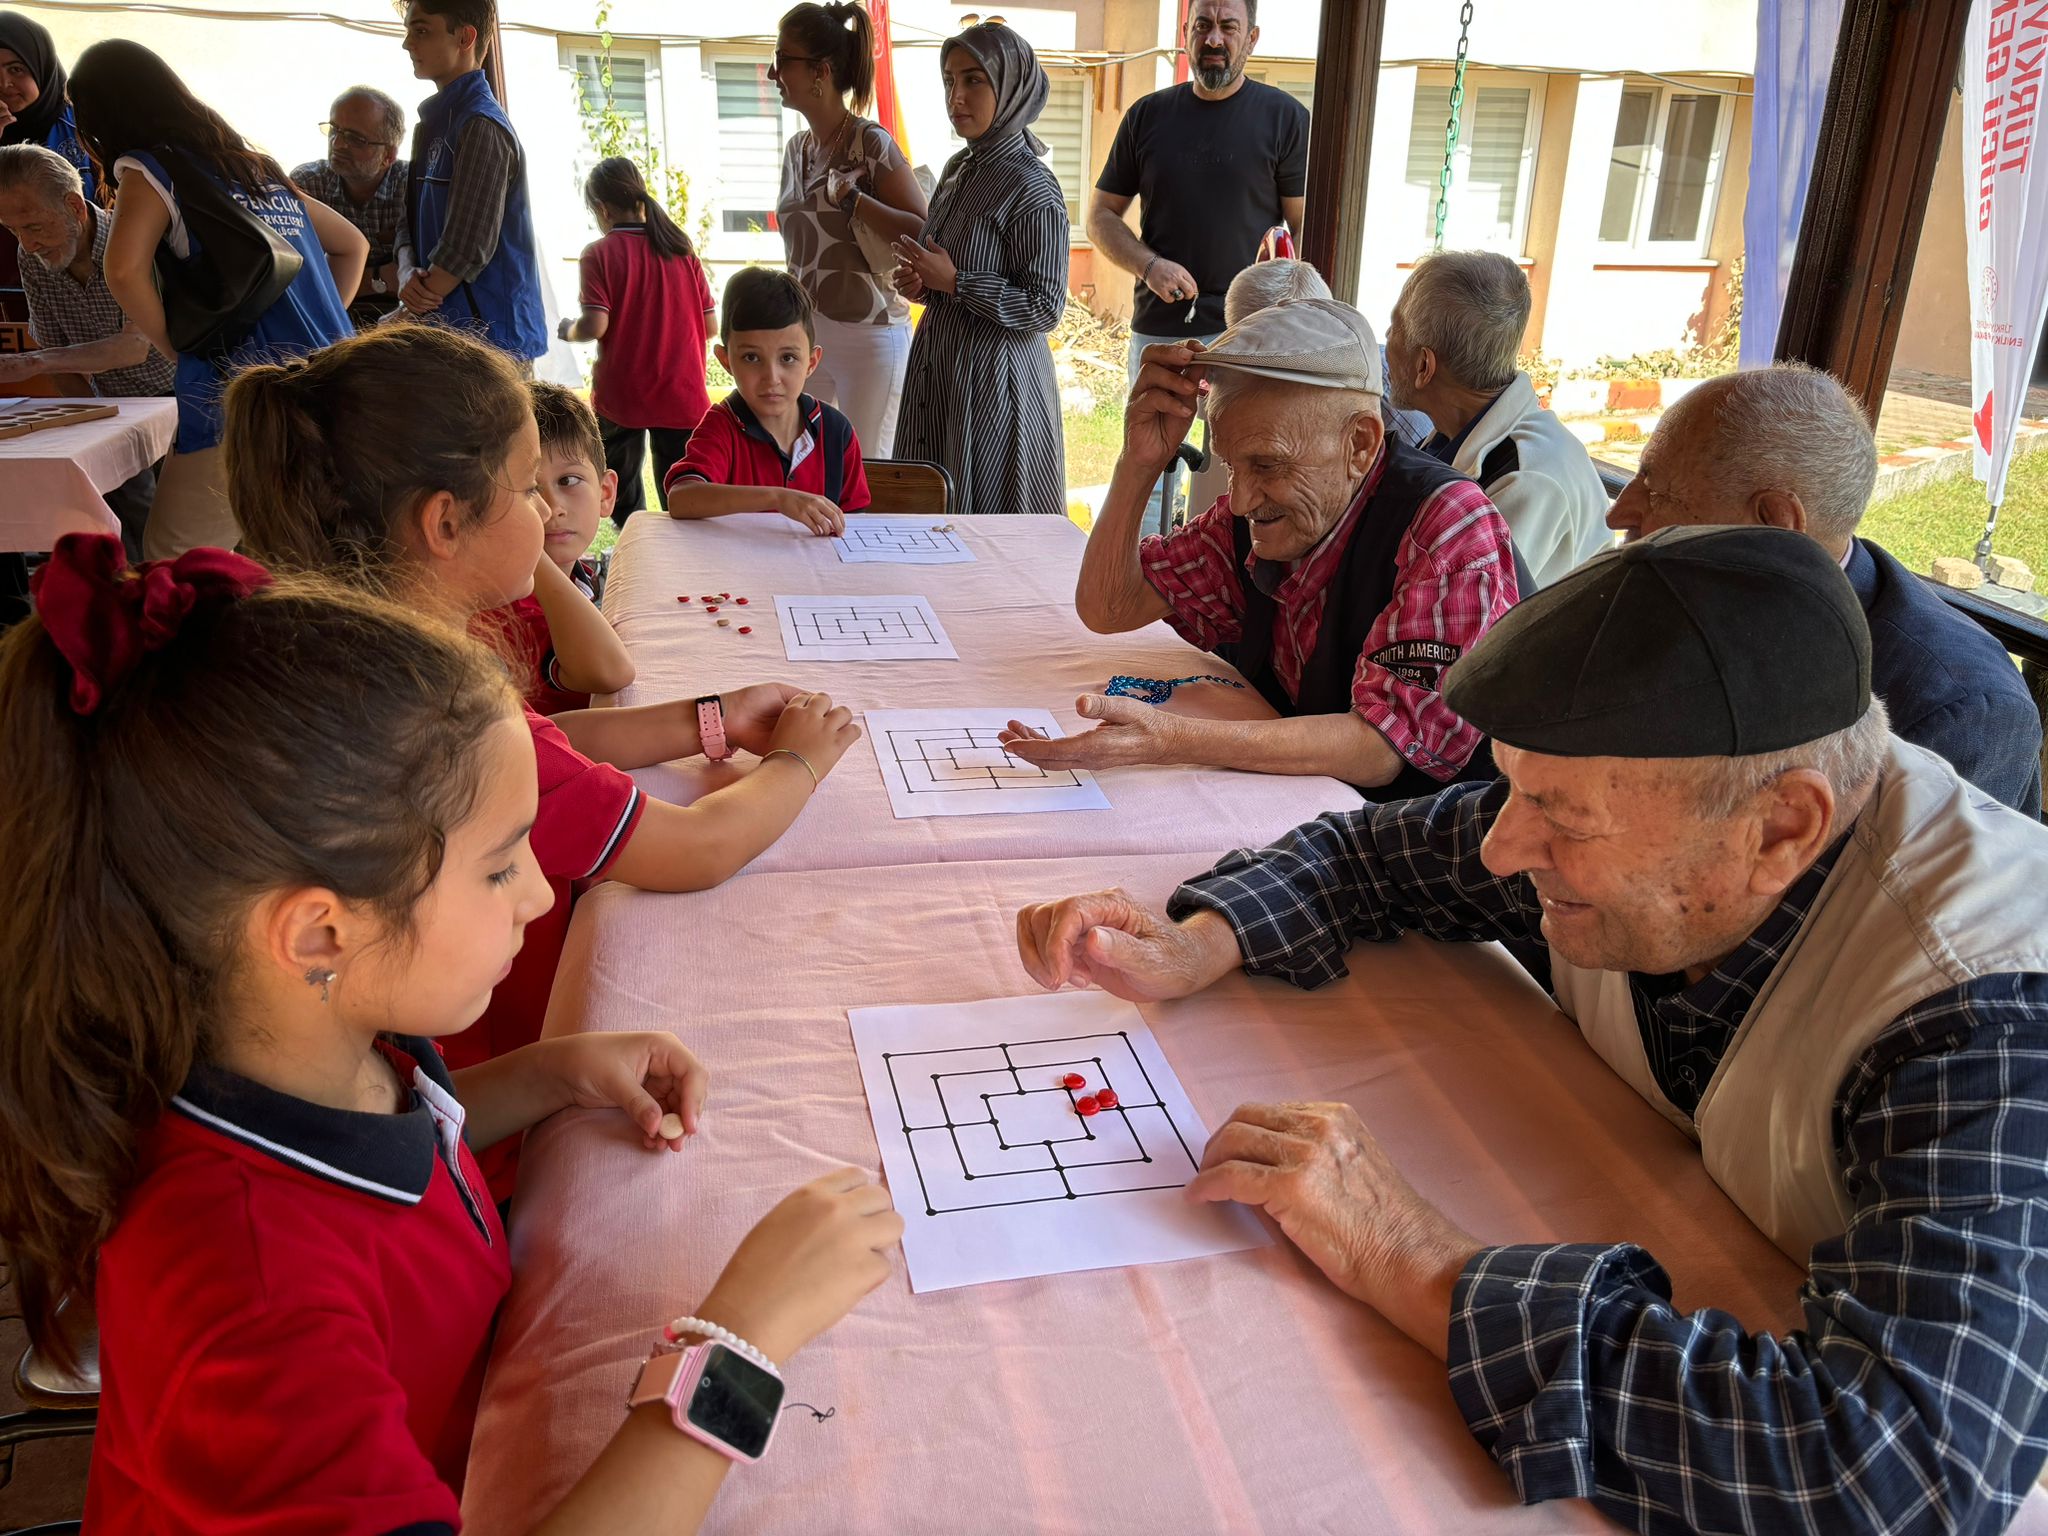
[979, 395]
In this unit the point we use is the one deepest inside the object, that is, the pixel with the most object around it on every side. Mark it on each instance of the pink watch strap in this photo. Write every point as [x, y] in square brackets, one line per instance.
[711, 728]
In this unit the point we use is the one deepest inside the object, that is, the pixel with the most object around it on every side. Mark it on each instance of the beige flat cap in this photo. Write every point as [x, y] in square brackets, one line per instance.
[1321, 342]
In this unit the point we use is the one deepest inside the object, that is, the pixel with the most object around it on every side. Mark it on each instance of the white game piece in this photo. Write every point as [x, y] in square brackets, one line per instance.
[898, 628]
[949, 762]
[671, 1127]
[994, 1174]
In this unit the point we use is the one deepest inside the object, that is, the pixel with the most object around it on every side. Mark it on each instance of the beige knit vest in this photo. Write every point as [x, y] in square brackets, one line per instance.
[1938, 884]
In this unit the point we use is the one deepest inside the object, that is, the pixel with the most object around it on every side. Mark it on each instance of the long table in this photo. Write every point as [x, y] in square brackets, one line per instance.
[54, 482]
[1236, 1394]
[1010, 615]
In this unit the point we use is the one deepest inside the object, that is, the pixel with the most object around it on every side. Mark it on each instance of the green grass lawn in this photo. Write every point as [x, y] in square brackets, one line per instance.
[1093, 442]
[1948, 519]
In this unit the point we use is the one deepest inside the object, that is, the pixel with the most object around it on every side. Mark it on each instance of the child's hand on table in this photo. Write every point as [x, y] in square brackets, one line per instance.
[820, 514]
[815, 729]
[648, 1075]
[806, 1263]
[752, 713]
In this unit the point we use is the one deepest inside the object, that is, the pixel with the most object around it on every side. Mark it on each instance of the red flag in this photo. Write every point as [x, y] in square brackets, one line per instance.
[888, 105]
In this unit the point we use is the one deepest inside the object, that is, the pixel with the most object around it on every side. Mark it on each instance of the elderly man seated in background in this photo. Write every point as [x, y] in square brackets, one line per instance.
[364, 181]
[1342, 573]
[1451, 348]
[1787, 447]
[1810, 945]
[84, 344]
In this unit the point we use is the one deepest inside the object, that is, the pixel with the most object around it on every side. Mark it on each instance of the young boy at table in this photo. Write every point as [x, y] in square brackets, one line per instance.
[441, 506]
[566, 648]
[225, 1117]
[767, 446]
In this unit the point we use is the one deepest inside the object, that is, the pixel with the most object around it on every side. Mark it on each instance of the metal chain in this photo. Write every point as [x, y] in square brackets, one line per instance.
[1443, 185]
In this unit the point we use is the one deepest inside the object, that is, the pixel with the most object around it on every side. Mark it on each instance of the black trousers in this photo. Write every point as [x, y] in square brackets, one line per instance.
[625, 455]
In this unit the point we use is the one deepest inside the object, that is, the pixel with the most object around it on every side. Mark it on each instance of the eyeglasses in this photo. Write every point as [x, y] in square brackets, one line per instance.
[784, 60]
[347, 138]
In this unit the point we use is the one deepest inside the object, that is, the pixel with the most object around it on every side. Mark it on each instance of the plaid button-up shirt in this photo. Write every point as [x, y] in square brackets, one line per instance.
[1915, 1396]
[1454, 575]
[63, 312]
[378, 218]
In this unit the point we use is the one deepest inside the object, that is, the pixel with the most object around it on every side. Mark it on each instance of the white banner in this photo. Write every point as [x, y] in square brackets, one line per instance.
[2005, 201]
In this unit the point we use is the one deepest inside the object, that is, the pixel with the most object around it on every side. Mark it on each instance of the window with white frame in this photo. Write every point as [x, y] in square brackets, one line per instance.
[632, 77]
[635, 97]
[1491, 169]
[1063, 128]
[752, 128]
[1665, 169]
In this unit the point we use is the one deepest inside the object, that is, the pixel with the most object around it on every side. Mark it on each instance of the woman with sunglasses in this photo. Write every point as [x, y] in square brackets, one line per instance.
[364, 181]
[841, 175]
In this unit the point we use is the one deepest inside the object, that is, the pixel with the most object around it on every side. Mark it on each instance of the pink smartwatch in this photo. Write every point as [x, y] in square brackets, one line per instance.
[711, 727]
[715, 1395]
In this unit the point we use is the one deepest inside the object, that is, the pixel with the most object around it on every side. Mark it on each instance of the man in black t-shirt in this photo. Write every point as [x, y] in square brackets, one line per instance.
[1217, 162]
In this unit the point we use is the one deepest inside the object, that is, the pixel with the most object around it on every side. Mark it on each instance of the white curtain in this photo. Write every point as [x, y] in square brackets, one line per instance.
[1795, 49]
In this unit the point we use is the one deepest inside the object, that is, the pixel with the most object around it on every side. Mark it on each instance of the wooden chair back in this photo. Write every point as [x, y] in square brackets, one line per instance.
[913, 486]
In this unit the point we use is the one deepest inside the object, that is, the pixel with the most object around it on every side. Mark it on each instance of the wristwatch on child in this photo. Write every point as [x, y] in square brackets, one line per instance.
[711, 727]
[723, 1392]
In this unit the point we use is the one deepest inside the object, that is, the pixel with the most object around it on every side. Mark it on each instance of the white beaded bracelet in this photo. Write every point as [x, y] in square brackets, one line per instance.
[672, 1340]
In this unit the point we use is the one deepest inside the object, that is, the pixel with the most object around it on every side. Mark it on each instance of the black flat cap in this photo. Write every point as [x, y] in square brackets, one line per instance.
[1693, 642]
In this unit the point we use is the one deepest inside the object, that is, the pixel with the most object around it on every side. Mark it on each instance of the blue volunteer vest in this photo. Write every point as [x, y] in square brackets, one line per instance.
[502, 303]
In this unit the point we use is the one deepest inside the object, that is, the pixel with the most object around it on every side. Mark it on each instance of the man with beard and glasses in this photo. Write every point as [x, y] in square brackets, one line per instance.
[1451, 348]
[364, 180]
[1341, 575]
[1215, 162]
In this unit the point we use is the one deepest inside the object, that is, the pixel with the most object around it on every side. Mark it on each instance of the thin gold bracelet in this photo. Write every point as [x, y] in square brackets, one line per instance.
[785, 752]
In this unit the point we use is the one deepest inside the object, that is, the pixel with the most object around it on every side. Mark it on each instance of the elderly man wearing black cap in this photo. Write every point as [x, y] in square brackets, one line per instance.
[1809, 944]
[1342, 574]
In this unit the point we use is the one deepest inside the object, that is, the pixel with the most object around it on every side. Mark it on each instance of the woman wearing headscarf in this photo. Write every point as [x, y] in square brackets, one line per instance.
[991, 270]
[35, 108]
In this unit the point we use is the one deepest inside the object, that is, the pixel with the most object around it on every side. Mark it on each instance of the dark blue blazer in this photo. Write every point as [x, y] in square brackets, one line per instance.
[1950, 687]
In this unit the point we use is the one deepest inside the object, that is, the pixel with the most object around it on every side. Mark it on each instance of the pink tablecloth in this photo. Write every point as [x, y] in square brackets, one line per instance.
[1236, 1394]
[52, 482]
[1010, 615]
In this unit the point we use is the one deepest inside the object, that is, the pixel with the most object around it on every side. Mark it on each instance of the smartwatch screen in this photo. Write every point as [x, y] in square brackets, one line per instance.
[736, 1401]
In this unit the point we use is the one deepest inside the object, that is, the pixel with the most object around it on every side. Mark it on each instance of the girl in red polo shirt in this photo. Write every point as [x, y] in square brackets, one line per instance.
[222, 1115]
[408, 458]
[647, 304]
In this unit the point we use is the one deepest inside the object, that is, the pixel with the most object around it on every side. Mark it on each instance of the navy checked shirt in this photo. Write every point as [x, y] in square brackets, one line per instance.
[1915, 1396]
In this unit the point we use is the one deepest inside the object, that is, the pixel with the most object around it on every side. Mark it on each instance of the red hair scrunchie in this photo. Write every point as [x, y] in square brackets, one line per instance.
[104, 616]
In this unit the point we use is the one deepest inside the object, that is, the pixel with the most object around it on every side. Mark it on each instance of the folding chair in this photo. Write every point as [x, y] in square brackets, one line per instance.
[915, 486]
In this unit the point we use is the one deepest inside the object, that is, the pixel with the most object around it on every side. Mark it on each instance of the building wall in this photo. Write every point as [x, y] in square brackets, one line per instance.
[1934, 333]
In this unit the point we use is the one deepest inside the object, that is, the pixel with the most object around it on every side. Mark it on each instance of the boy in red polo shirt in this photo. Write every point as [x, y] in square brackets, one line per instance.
[567, 648]
[767, 446]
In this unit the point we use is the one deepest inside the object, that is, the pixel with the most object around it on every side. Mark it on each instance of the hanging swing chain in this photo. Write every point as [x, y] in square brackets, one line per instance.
[1443, 185]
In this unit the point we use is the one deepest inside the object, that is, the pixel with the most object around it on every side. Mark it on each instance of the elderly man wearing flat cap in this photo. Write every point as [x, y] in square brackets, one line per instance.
[1342, 573]
[1810, 945]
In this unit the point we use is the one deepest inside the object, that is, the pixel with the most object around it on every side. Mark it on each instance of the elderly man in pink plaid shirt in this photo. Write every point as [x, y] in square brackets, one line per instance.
[1342, 574]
